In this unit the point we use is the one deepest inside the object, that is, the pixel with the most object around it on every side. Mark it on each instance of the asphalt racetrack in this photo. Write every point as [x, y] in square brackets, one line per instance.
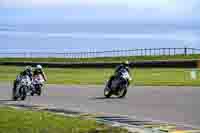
[179, 105]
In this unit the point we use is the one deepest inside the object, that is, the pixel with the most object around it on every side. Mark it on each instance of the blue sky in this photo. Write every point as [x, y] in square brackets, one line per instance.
[138, 11]
[159, 12]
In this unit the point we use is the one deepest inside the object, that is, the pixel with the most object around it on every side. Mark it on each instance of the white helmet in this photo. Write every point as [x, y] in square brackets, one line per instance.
[38, 67]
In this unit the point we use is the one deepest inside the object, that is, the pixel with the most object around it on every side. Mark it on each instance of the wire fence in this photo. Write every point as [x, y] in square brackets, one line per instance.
[112, 53]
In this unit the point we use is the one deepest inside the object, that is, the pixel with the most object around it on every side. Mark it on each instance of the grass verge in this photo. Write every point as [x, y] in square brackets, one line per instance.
[24, 121]
[101, 59]
[84, 76]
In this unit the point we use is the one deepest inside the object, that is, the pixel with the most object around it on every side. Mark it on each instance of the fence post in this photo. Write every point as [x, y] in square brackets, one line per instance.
[185, 51]
[145, 52]
[174, 51]
[150, 51]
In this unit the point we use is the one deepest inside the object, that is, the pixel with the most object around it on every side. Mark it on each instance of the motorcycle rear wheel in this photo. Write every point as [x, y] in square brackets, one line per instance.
[122, 93]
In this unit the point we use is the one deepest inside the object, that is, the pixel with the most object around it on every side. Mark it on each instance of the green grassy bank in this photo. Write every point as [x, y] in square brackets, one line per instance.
[103, 59]
[151, 77]
[24, 121]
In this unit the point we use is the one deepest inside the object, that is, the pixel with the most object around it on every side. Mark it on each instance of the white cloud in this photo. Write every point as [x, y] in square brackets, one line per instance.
[57, 3]
[141, 10]
[165, 4]
[179, 36]
[156, 6]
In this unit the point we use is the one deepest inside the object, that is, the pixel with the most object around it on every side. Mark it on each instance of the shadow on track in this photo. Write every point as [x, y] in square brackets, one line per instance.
[104, 98]
[2, 101]
[24, 105]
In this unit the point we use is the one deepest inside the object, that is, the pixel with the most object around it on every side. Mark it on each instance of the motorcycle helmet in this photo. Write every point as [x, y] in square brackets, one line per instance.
[28, 68]
[126, 63]
[38, 67]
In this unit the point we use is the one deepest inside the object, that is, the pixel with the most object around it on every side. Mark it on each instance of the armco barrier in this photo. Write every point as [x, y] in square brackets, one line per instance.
[140, 64]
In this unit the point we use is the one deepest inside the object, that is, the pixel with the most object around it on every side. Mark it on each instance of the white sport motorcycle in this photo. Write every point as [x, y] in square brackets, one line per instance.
[37, 85]
[22, 88]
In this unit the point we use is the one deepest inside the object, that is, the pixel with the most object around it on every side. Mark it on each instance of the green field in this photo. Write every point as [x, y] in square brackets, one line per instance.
[24, 121]
[87, 76]
[103, 59]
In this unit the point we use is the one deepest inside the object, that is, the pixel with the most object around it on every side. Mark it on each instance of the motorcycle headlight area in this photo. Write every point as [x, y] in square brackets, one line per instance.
[24, 82]
[126, 76]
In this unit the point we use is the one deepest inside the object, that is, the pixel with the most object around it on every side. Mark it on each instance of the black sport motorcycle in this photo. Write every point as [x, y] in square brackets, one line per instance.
[118, 85]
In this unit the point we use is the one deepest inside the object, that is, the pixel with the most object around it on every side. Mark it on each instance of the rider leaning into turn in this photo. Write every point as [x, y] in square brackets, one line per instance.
[27, 72]
[38, 70]
[124, 65]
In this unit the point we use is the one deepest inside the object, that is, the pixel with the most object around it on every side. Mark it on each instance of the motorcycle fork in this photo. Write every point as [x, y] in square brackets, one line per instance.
[17, 91]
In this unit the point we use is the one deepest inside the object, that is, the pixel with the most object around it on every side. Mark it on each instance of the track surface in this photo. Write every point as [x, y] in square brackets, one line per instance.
[172, 104]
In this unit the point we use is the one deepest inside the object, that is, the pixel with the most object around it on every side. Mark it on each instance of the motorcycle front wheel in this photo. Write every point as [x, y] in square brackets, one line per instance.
[23, 93]
[39, 91]
[14, 97]
[107, 93]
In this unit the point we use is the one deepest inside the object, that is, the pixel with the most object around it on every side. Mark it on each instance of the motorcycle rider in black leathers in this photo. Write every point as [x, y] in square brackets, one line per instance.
[27, 72]
[124, 65]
